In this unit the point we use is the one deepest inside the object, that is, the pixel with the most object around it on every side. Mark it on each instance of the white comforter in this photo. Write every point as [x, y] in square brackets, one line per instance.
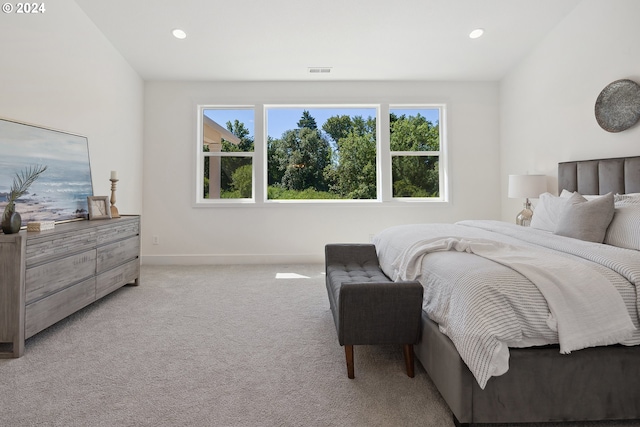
[485, 304]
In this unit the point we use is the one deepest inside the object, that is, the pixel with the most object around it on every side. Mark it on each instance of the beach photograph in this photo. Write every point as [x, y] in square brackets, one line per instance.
[60, 193]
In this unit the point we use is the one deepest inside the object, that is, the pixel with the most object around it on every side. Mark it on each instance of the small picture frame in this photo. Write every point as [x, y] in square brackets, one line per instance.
[99, 207]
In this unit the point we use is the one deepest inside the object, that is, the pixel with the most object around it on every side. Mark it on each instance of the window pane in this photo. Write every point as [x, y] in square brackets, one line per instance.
[415, 176]
[227, 130]
[416, 129]
[228, 177]
[321, 153]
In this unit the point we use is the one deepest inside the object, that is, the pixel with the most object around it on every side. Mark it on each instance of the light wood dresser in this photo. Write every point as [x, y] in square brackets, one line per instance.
[46, 276]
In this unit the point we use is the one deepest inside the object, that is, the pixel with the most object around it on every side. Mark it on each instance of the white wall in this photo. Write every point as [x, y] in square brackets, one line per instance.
[298, 233]
[57, 70]
[547, 101]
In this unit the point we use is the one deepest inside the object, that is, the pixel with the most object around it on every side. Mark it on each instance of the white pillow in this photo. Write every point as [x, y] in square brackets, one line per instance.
[624, 230]
[586, 220]
[567, 193]
[626, 198]
[547, 212]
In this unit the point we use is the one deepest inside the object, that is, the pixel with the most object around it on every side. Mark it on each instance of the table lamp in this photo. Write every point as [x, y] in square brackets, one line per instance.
[525, 187]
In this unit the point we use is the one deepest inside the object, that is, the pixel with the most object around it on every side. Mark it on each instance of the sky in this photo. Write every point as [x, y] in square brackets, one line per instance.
[279, 120]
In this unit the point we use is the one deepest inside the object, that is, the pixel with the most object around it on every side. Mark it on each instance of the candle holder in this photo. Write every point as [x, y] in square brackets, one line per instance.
[114, 210]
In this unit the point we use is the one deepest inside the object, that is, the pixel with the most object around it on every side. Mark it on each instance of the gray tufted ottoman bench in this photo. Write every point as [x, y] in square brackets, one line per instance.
[369, 308]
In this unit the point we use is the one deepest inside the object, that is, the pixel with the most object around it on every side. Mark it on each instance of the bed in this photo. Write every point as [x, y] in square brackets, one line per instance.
[533, 363]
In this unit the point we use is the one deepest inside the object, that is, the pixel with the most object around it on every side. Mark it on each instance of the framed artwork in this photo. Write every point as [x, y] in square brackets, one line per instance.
[60, 193]
[98, 207]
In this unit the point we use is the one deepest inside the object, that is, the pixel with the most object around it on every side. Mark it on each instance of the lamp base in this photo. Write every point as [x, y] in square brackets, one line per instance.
[524, 217]
[114, 212]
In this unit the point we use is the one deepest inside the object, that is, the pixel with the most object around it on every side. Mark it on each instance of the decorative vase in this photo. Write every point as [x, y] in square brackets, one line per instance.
[12, 223]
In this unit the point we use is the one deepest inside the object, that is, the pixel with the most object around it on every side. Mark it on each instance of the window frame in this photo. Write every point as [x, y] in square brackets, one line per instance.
[384, 155]
[309, 106]
[201, 155]
[441, 154]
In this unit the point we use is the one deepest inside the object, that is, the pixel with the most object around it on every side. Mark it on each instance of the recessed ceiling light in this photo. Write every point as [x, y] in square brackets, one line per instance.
[179, 34]
[478, 32]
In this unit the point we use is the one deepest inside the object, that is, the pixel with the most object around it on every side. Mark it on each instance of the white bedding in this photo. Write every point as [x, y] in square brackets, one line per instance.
[461, 288]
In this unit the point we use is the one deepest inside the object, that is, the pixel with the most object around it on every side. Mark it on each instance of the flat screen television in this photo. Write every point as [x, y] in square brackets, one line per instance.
[60, 193]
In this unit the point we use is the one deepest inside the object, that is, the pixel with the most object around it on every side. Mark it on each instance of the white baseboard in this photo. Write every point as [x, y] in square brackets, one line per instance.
[232, 259]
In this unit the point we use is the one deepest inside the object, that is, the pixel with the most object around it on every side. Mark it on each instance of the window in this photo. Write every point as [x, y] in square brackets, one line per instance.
[321, 153]
[226, 154]
[415, 152]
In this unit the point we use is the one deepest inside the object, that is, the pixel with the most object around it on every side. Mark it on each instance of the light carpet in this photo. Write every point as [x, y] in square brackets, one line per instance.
[213, 346]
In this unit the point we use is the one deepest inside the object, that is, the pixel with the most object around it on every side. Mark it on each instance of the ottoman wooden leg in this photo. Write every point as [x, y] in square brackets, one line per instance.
[348, 351]
[408, 359]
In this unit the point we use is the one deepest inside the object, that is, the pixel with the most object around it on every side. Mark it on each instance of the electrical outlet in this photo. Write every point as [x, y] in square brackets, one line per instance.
[156, 240]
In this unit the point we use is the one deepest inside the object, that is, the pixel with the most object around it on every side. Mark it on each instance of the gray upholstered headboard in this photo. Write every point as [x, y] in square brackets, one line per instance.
[620, 175]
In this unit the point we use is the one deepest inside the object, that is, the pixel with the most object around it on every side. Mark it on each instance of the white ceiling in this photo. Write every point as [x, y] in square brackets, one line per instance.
[258, 40]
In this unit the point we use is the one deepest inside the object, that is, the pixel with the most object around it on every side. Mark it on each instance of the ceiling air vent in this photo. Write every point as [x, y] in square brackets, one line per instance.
[319, 70]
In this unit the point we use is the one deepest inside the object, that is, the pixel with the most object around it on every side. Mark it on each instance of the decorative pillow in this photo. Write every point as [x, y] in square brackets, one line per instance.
[626, 198]
[547, 212]
[567, 193]
[624, 230]
[586, 220]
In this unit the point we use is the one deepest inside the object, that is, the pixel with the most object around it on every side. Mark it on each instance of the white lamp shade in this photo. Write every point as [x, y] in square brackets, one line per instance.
[527, 186]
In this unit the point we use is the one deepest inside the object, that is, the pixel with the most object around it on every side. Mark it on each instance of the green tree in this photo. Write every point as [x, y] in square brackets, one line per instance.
[356, 168]
[304, 155]
[415, 176]
[239, 129]
[231, 164]
[243, 181]
[297, 160]
[275, 152]
[338, 127]
[413, 133]
[306, 121]
[353, 173]
[341, 159]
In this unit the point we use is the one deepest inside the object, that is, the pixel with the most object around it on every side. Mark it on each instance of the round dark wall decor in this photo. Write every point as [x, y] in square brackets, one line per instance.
[618, 105]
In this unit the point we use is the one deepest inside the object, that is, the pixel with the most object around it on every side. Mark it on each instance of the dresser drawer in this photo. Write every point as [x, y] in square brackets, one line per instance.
[49, 245]
[114, 254]
[47, 311]
[45, 279]
[121, 230]
[115, 278]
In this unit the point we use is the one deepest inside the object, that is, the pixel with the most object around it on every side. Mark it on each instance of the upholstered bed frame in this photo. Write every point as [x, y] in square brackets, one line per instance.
[542, 385]
[620, 175]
